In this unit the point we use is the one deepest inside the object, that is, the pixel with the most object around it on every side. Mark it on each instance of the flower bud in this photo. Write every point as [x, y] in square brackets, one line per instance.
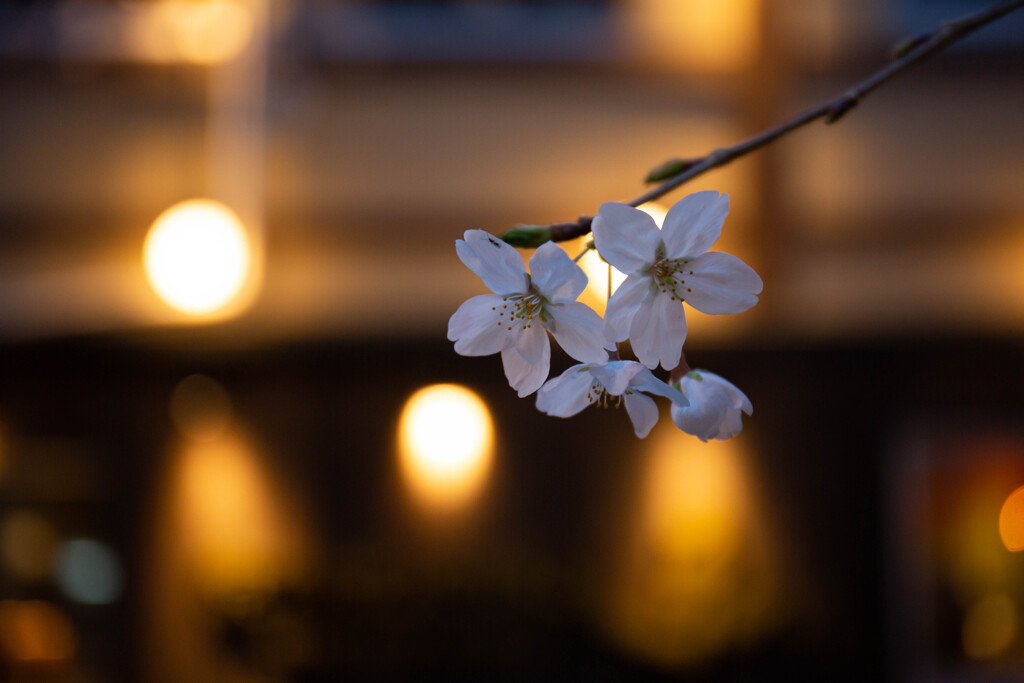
[668, 169]
[527, 236]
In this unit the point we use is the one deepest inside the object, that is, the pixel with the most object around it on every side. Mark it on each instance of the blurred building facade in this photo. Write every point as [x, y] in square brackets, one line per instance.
[219, 493]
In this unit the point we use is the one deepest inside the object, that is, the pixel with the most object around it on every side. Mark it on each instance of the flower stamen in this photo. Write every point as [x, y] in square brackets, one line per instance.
[664, 273]
[524, 308]
[599, 395]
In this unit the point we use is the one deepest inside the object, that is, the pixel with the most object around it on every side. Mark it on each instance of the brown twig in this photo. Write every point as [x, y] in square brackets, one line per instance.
[906, 54]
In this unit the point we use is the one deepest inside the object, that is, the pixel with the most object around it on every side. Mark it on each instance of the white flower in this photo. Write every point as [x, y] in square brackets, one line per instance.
[666, 267]
[714, 409]
[513, 320]
[612, 383]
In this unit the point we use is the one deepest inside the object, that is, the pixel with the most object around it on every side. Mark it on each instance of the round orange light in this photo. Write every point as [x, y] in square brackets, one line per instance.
[445, 438]
[1011, 521]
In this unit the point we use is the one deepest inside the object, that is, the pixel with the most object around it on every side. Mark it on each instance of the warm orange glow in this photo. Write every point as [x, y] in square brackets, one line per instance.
[35, 632]
[695, 501]
[201, 31]
[445, 442]
[989, 627]
[655, 211]
[966, 517]
[197, 256]
[714, 36]
[200, 407]
[227, 532]
[234, 535]
[27, 545]
[697, 575]
[1011, 521]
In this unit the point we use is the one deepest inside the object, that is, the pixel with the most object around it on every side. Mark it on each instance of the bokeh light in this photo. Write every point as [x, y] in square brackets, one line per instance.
[200, 407]
[989, 627]
[237, 536]
[445, 443]
[696, 575]
[35, 634]
[27, 545]
[197, 256]
[89, 572]
[710, 36]
[203, 32]
[655, 211]
[1011, 521]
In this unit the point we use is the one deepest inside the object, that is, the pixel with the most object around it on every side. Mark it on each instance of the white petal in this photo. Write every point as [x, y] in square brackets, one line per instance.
[694, 223]
[714, 411]
[616, 375]
[578, 330]
[498, 264]
[625, 302]
[720, 283]
[625, 237]
[643, 413]
[527, 361]
[555, 275]
[476, 329]
[646, 381]
[658, 332]
[699, 418]
[737, 399]
[731, 425]
[567, 394]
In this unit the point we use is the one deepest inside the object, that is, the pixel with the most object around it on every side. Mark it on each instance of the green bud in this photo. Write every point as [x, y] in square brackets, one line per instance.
[666, 170]
[693, 374]
[527, 236]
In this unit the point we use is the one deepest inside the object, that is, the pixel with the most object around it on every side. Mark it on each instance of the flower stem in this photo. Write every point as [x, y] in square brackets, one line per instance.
[680, 370]
[588, 247]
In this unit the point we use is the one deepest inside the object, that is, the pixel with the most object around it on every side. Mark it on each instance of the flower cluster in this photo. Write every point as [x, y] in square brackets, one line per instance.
[666, 268]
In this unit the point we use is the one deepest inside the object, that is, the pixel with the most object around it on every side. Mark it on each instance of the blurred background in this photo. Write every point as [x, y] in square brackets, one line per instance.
[235, 444]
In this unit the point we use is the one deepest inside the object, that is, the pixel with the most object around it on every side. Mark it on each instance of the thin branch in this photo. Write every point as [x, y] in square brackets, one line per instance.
[676, 172]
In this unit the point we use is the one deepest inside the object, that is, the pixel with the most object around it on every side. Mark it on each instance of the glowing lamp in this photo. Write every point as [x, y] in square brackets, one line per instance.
[445, 440]
[1011, 521]
[197, 256]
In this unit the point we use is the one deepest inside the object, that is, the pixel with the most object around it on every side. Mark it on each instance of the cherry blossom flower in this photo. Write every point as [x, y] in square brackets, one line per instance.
[714, 406]
[524, 307]
[613, 383]
[666, 267]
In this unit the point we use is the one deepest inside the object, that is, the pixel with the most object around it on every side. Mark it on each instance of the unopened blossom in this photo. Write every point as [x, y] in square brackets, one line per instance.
[614, 383]
[714, 406]
[524, 307]
[666, 267]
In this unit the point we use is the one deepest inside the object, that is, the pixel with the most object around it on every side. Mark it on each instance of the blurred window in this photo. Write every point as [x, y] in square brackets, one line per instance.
[457, 31]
